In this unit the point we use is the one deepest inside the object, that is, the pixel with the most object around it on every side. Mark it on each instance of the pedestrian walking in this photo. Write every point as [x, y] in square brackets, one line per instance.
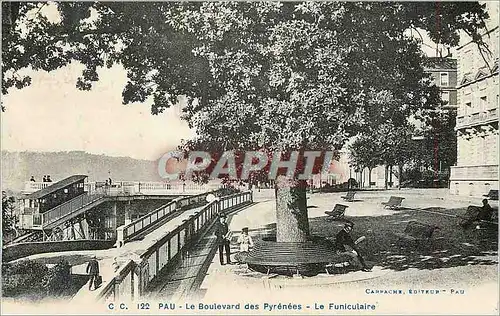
[93, 271]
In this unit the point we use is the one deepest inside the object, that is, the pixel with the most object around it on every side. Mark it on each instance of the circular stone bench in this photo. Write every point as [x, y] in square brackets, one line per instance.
[305, 258]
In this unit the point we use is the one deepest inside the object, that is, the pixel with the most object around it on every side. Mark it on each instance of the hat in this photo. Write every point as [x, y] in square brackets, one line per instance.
[244, 229]
[222, 215]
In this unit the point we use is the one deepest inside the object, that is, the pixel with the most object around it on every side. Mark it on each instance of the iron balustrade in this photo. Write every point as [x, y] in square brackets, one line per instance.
[133, 279]
[124, 282]
[124, 233]
[169, 248]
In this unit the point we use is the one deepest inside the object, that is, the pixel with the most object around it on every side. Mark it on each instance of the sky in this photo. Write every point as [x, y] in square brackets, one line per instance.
[53, 115]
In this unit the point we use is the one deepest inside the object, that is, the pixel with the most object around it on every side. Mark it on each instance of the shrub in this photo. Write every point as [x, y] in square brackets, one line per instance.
[58, 279]
[35, 280]
[24, 277]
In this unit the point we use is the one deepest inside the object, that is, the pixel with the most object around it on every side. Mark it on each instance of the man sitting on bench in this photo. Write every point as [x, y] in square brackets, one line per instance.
[344, 244]
[485, 212]
[474, 213]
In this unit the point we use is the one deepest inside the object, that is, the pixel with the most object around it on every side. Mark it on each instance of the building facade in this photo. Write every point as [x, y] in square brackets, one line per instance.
[476, 171]
[443, 72]
[340, 172]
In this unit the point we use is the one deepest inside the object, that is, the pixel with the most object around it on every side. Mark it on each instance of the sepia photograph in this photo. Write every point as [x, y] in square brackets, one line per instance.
[249, 157]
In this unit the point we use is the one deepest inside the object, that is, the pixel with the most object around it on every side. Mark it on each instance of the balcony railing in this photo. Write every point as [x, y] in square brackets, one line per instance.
[133, 187]
[485, 172]
[477, 118]
[30, 186]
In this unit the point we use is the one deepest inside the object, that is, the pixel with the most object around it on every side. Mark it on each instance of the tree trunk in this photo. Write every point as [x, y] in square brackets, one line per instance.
[390, 176]
[385, 176]
[400, 177]
[370, 177]
[292, 223]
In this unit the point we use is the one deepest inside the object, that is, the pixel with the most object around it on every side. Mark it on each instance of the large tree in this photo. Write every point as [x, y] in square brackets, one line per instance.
[279, 76]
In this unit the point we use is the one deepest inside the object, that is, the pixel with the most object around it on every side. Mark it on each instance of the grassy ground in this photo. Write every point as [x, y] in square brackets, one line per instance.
[451, 245]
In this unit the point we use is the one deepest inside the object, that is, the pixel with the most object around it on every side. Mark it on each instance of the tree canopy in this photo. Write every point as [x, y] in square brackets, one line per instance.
[255, 74]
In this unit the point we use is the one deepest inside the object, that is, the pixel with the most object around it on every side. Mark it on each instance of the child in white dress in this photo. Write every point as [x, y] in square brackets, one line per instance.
[245, 240]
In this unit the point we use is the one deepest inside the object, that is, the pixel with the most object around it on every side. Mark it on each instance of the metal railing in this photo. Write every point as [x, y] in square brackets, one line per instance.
[175, 242]
[68, 208]
[167, 250]
[124, 285]
[125, 232]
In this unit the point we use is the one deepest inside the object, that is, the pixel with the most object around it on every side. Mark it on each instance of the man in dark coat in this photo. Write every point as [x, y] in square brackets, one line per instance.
[222, 232]
[485, 212]
[93, 271]
[343, 239]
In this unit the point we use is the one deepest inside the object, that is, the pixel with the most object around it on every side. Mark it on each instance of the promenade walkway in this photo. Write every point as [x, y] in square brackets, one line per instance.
[131, 250]
[236, 284]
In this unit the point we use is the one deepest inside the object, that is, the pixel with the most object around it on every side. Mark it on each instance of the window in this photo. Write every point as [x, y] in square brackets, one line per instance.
[468, 108]
[445, 96]
[444, 79]
[484, 101]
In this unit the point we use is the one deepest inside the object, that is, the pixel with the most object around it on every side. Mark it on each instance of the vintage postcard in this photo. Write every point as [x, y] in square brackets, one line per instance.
[253, 158]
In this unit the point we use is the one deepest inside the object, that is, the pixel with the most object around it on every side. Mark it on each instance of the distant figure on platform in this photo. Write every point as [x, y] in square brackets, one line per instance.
[44, 178]
[106, 183]
[245, 240]
[32, 179]
[93, 271]
[110, 182]
[49, 179]
[344, 244]
[223, 238]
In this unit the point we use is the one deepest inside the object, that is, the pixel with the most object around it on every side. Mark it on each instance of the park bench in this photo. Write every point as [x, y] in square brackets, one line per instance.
[471, 216]
[394, 202]
[341, 262]
[349, 197]
[417, 232]
[492, 195]
[338, 212]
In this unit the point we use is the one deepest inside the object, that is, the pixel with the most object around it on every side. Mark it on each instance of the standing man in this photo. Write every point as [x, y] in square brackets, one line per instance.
[93, 271]
[345, 245]
[223, 238]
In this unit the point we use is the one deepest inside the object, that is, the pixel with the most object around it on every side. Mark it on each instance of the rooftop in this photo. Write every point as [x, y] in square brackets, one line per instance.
[440, 63]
